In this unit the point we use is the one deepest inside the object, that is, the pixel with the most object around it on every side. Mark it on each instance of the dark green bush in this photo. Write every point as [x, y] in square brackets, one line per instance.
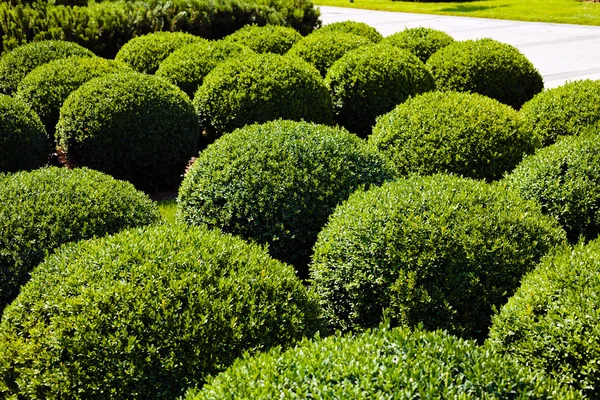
[488, 67]
[357, 28]
[42, 209]
[277, 183]
[132, 126]
[265, 39]
[421, 41]
[371, 81]
[260, 88]
[23, 140]
[14, 66]
[463, 133]
[439, 250]
[146, 313]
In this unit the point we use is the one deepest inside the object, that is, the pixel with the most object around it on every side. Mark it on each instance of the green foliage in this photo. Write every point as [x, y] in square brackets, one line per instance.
[260, 88]
[277, 183]
[371, 81]
[439, 250]
[23, 140]
[357, 28]
[132, 126]
[463, 133]
[421, 41]
[265, 39]
[146, 313]
[42, 209]
[488, 67]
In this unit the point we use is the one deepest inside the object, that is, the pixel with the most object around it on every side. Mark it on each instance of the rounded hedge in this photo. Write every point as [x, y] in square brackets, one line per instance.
[357, 28]
[439, 250]
[371, 81]
[14, 66]
[260, 88]
[421, 41]
[265, 39]
[188, 66]
[132, 126]
[488, 67]
[145, 53]
[42, 209]
[463, 133]
[23, 139]
[277, 183]
[563, 111]
[162, 308]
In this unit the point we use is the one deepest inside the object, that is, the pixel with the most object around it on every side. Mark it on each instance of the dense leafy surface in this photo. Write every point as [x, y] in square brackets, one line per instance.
[265, 39]
[421, 41]
[357, 28]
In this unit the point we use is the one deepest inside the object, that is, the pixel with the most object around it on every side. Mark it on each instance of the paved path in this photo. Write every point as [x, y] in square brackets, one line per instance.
[561, 52]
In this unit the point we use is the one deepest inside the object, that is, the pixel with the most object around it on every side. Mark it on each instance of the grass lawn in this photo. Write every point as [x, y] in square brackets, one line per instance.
[559, 11]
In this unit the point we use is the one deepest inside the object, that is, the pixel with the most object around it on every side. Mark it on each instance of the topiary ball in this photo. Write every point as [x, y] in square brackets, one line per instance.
[463, 133]
[14, 66]
[23, 139]
[258, 89]
[42, 209]
[277, 183]
[357, 28]
[488, 67]
[132, 126]
[421, 41]
[439, 250]
[147, 313]
[265, 39]
[370, 81]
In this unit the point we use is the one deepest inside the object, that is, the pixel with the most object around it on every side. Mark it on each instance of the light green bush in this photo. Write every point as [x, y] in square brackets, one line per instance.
[357, 28]
[265, 39]
[421, 41]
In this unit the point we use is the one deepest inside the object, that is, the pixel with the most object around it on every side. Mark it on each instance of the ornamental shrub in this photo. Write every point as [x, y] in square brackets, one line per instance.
[132, 126]
[23, 140]
[277, 183]
[463, 133]
[42, 209]
[146, 313]
[371, 81]
[488, 67]
[357, 28]
[260, 88]
[439, 250]
[421, 41]
[265, 39]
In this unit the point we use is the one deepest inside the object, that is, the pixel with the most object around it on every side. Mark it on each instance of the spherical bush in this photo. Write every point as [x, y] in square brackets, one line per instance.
[357, 28]
[14, 66]
[439, 250]
[147, 313]
[259, 89]
[421, 41]
[462, 133]
[42, 209]
[277, 183]
[565, 110]
[23, 139]
[371, 81]
[265, 39]
[488, 67]
[145, 53]
[188, 66]
[133, 126]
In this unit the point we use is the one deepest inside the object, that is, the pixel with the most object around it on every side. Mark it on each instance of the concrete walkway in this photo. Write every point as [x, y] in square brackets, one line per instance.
[560, 52]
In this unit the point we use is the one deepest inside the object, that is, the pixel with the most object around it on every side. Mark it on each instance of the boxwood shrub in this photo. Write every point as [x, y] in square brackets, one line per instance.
[488, 67]
[439, 250]
[133, 126]
[42, 209]
[421, 41]
[260, 88]
[357, 28]
[146, 313]
[463, 133]
[277, 183]
[370, 81]
[265, 39]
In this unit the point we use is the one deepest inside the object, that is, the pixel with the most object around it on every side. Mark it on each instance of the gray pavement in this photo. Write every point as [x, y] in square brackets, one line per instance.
[561, 52]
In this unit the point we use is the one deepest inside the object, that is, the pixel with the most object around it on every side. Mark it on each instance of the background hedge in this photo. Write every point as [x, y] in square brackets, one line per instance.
[357, 28]
[421, 41]
[265, 39]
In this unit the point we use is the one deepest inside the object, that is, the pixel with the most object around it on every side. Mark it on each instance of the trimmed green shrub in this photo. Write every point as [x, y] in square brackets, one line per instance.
[421, 41]
[14, 66]
[323, 49]
[488, 67]
[188, 66]
[265, 39]
[132, 126]
[563, 111]
[463, 133]
[23, 140]
[439, 250]
[42, 209]
[277, 183]
[260, 88]
[551, 323]
[146, 313]
[382, 364]
[371, 81]
[357, 28]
